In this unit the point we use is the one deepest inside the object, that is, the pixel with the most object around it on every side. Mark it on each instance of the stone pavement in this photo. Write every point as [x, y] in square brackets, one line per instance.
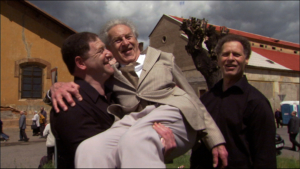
[285, 152]
[20, 154]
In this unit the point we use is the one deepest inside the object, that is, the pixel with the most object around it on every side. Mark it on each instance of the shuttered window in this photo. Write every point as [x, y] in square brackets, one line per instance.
[31, 82]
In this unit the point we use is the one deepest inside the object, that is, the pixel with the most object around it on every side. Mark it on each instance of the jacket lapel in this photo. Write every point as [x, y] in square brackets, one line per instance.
[151, 58]
[118, 76]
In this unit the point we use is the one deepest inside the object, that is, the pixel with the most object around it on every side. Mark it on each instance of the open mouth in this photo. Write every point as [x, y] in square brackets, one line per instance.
[230, 67]
[127, 51]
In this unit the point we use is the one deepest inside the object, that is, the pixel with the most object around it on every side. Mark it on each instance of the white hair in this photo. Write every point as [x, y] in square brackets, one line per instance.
[121, 21]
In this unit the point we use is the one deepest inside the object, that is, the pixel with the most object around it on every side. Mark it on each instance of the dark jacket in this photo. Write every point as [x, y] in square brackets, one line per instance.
[293, 125]
[22, 122]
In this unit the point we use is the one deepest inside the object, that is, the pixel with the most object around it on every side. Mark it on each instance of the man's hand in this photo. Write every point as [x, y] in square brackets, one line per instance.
[167, 137]
[60, 90]
[220, 152]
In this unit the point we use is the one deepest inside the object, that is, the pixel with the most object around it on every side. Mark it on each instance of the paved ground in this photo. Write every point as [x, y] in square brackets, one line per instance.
[15, 154]
[285, 152]
[20, 154]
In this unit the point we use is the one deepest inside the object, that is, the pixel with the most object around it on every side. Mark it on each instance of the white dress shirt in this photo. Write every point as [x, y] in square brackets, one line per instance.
[138, 68]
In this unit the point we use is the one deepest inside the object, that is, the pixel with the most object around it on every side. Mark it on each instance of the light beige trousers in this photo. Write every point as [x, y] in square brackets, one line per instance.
[132, 142]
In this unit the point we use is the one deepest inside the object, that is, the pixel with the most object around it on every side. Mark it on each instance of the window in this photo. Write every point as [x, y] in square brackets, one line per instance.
[273, 48]
[261, 45]
[164, 39]
[31, 81]
[295, 52]
[270, 61]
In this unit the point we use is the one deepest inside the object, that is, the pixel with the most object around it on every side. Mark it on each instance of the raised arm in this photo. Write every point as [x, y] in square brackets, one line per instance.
[61, 92]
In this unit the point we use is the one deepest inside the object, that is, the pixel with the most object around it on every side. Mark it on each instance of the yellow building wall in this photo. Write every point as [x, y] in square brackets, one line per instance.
[25, 34]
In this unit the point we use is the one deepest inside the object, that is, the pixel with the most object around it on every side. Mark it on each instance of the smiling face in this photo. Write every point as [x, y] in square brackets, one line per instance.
[232, 60]
[98, 60]
[123, 44]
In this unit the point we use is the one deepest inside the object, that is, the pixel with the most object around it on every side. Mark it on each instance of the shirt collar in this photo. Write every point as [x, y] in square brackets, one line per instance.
[140, 62]
[88, 89]
[141, 59]
[241, 84]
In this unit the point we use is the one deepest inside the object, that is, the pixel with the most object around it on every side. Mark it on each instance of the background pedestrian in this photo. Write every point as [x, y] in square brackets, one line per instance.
[293, 130]
[22, 126]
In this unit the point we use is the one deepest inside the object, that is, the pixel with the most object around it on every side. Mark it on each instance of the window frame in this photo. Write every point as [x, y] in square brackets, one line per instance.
[33, 71]
[46, 72]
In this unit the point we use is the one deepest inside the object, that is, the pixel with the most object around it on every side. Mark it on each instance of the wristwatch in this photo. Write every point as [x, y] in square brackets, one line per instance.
[47, 99]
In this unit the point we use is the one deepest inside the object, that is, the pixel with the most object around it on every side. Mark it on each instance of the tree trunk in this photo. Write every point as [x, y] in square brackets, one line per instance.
[205, 60]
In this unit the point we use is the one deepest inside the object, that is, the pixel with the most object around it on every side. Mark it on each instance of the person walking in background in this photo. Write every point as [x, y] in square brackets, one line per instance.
[44, 113]
[50, 142]
[278, 118]
[5, 136]
[42, 124]
[22, 126]
[293, 130]
[36, 120]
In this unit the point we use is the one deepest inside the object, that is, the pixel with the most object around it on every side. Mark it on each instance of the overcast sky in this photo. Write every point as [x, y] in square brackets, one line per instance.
[276, 19]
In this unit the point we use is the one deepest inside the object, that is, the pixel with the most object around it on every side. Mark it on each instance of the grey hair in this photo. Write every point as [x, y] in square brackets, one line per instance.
[121, 21]
[232, 37]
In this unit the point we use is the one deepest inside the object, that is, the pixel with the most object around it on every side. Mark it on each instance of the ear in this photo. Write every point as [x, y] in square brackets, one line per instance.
[80, 63]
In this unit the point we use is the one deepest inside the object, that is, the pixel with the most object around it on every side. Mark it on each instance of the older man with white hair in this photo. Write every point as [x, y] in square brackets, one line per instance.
[36, 121]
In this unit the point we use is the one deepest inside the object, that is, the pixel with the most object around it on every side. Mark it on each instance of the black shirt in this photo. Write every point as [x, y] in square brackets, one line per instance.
[88, 118]
[245, 118]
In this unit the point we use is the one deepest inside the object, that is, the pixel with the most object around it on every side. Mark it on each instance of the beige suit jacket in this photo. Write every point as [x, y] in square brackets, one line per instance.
[162, 81]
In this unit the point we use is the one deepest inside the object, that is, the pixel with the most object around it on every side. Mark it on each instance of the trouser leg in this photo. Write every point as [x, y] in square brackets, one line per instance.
[21, 135]
[140, 146]
[50, 153]
[99, 151]
[42, 127]
[277, 122]
[34, 131]
[294, 141]
[137, 145]
[4, 136]
[24, 134]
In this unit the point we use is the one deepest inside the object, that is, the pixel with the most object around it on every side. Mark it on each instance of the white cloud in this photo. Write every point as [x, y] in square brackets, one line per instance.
[278, 19]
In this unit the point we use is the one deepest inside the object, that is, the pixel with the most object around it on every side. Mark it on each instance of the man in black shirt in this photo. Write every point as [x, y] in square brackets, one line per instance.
[87, 60]
[278, 118]
[293, 130]
[242, 113]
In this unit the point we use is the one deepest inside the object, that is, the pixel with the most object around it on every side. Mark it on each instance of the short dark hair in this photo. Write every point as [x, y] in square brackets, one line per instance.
[229, 38]
[76, 45]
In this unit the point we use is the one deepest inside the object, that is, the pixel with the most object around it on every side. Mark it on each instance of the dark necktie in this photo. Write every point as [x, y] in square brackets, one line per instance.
[129, 72]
